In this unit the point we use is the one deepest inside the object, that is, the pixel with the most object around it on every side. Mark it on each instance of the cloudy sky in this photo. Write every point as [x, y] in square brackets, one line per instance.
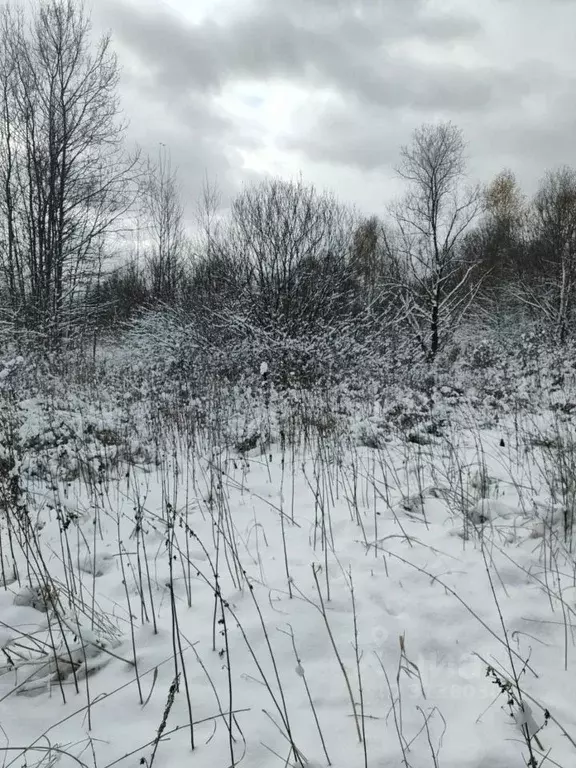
[333, 88]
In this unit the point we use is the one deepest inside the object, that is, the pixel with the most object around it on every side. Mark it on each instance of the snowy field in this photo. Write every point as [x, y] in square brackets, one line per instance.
[261, 581]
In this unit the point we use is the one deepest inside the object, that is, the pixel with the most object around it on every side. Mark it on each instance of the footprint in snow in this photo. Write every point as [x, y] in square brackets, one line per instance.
[96, 565]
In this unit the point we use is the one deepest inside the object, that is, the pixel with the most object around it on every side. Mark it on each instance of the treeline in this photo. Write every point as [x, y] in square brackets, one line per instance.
[284, 257]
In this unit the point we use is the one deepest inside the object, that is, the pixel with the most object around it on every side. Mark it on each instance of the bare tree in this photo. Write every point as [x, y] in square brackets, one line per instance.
[11, 270]
[208, 214]
[372, 258]
[65, 177]
[217, 274]
[499, 243]
[293, 244]
[554, 217]
[505, 223]
[163, 209]
[432, 220]
[505, 203]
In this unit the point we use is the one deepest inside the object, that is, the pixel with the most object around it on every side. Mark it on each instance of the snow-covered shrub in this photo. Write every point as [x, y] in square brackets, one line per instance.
[171, 345]
[485, 355]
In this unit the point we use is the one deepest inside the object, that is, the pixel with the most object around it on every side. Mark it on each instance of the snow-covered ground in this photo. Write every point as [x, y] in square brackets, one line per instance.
[310, 594]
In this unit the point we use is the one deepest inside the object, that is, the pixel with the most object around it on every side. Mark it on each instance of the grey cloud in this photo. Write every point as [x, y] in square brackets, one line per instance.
[443, 27]
[529, 147]
[344, 47]
[339, 49]
[487, 103]
[276, 40]
[202, 141]
[402, 83]
[368, 142]
[178, 68]
[176, 57]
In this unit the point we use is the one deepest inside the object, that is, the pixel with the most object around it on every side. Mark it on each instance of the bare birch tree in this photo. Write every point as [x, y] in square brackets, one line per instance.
[432, 218]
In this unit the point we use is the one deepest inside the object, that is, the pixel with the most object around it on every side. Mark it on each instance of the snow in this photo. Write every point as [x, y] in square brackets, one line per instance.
[437, 561]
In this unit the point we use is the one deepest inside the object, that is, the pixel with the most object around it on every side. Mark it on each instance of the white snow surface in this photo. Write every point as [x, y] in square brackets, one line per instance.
[457, 561]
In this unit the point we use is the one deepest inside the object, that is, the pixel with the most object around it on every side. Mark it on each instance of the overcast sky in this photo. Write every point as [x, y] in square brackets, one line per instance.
[333, 88]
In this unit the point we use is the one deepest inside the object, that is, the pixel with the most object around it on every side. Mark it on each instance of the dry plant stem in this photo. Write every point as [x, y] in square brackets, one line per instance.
[215, 571]
[37, 567]
[284, 711]
[230, 722]
[283, 529]
[565, 618]
[460, 600]
[23, 682]
[23, 750]
[174, 687]
[398, 686]
[154, 680]
[97, 700]
[131, 617]
[94, 540]
[169, 733]
[139, 538]
[212, 685]
[358, 657]
[302, 674]
[176, 640]
[532, 762]
[397, 720]
[87, 677]
[281, 708]
[298, 755]
[149, 582]
[433, 752]
[540, 706]
[391, 508]
[322, 609]
[285, 760]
